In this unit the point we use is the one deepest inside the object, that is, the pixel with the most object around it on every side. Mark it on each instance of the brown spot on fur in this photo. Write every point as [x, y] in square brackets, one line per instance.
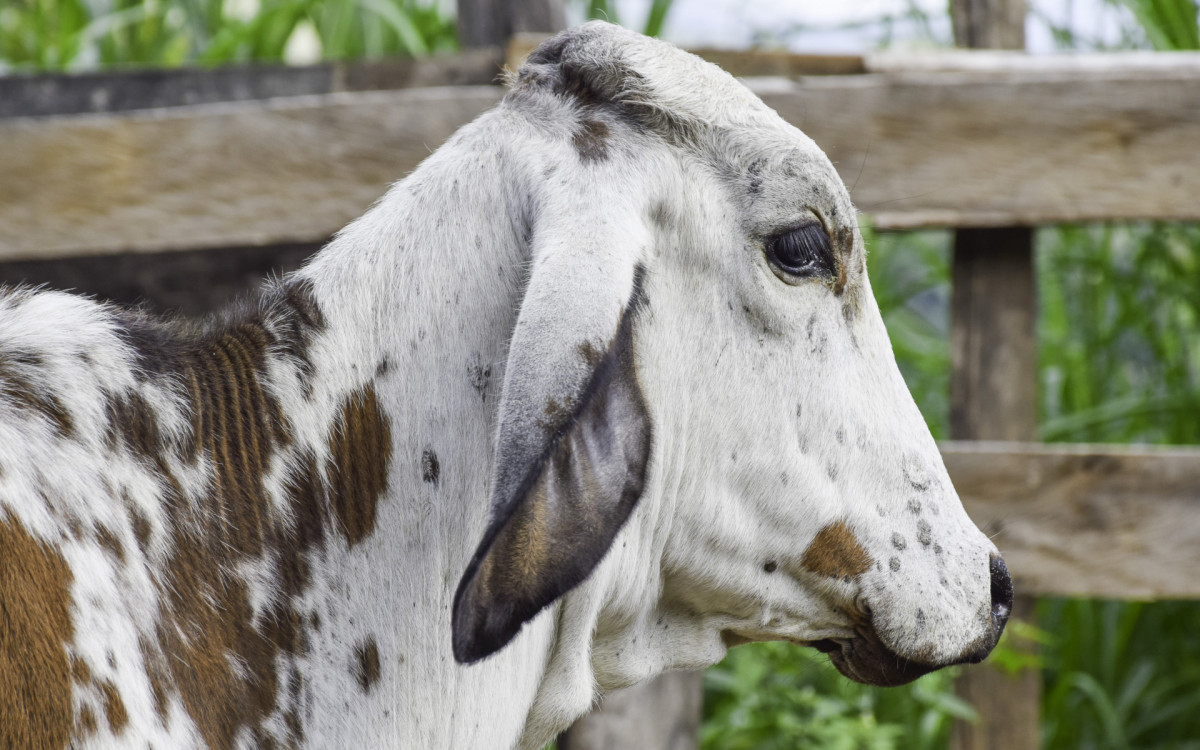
[114, 707]
[366, 664]
[80, 672]
[35, 625]
[845, 241]
[301, 320]
[110, 542]
[141, 529]
[360, 449]
[133, 425]
[590, 354]
[156, 672]
[839, 286]
[87, 721]
[556, 412]
[212, 649]
[591, 141]
[21, 387]
[835, 552]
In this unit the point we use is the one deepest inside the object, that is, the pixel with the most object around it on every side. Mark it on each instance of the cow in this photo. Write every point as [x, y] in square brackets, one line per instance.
[599, 391]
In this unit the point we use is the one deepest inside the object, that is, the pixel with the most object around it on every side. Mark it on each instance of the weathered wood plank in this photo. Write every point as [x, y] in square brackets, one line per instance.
[1076, 520]
[967, 149]
[122, 91]
[920, 149]
[1017, 65]
[291, 170]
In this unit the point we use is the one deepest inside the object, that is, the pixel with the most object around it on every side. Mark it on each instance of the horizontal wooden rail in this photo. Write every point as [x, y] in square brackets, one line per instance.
[1086, 520]
[122, 91]
[282, 171]
[953, 147]
[969, 148]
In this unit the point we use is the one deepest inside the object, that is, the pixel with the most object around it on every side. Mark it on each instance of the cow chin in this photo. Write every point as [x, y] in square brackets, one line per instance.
[867, 660]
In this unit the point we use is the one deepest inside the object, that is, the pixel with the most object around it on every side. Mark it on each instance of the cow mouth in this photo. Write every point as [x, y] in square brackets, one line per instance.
[861, 658]
[866, 660]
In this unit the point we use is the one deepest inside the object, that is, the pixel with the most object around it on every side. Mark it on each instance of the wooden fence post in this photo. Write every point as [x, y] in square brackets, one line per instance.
[491, 23]
[993, 386]
[663, 714]
[992, 395]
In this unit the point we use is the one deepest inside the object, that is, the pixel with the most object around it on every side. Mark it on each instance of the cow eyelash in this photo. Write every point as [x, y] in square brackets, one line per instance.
[802, 252]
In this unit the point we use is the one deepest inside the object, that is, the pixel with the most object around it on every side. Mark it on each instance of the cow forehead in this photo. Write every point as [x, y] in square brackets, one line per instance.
[666, 76]
[776, 171]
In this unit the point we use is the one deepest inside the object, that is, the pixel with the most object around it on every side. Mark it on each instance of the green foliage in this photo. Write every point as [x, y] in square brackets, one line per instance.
[910, 275]
[1120, 333]
[777, 696]
[1122, 675]
[86, 34]
[1167, 24]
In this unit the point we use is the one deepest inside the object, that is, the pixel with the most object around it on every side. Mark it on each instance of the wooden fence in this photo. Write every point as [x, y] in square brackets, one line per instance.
[260, 157]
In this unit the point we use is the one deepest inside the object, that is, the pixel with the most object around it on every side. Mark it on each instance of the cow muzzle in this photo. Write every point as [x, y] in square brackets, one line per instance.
[867, 659]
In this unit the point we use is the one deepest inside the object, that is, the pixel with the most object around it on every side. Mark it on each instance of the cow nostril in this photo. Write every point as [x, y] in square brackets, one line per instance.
[1002, 593]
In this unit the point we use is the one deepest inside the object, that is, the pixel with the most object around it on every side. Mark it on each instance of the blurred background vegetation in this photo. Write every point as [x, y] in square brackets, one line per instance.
[1119, 361]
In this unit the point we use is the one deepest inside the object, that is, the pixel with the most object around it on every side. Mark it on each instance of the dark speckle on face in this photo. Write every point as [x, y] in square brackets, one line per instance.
[591, 141]
[918, 478]
[894, 564]
[755, 170]
[366, 664]
[914, 505]
[924, 533]
[899, 542]
[431, 470]
[479, 373]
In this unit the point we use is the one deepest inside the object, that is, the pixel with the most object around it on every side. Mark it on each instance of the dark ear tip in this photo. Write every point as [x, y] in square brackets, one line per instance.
[466, 650]
[475, 635]
[475, 646]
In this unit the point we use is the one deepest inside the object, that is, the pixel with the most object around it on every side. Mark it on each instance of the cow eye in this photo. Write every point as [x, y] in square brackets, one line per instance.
[802, 252]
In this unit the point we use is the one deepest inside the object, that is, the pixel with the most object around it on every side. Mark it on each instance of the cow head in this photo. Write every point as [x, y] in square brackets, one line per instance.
[698, 339]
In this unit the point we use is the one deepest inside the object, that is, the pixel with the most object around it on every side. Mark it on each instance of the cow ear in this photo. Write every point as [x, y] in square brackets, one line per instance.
[571, 457]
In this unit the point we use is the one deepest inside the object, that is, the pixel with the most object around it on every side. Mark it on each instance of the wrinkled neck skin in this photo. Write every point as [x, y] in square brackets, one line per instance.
[426, 295]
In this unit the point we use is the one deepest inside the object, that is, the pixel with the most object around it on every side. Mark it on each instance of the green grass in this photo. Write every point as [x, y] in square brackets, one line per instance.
[72, 35]
[776, 696]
